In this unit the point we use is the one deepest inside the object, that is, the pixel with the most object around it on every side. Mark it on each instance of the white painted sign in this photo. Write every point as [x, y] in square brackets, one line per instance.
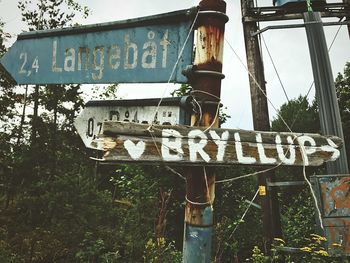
[89, 122]
[127, 142]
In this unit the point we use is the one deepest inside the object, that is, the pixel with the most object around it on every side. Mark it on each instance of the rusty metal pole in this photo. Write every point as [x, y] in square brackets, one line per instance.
[268, 195]
[205, 78]
[326, 95]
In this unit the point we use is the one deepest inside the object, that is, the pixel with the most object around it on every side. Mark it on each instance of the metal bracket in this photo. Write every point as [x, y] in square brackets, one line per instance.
[252, 204]
[273, 13]
[190, 71]
[290, 183]
[218, 14]
[297, 26]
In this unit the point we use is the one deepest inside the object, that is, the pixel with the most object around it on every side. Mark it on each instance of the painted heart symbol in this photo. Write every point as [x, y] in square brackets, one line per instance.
[135, 150]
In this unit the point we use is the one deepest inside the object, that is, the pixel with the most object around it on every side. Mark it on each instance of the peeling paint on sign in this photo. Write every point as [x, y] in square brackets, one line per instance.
[195, 146]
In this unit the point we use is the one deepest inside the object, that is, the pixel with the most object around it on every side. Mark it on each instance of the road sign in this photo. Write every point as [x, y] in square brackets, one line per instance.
[172, 111]
[131, 51]
[129, 142]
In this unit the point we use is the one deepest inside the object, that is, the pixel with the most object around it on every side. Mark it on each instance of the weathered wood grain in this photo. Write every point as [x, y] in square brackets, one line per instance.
[130, 142]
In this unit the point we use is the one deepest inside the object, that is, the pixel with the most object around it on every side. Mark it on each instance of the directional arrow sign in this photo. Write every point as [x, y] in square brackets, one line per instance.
[146, 49]
[129, 142]
[89, 123]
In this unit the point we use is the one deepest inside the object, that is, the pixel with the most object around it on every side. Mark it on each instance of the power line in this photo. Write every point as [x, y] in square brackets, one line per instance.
[276, 71]
[313, 82]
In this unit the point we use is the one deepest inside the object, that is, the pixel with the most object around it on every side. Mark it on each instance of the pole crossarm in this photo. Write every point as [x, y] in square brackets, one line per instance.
[274, 13]
[297, 26]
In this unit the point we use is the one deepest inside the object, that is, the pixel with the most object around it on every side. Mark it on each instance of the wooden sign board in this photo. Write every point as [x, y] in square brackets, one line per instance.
[145, 49]
[129, 142]
[172, 111]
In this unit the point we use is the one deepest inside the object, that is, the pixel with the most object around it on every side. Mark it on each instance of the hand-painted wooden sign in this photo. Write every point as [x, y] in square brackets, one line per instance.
[128, 142]
[132, 51]
[88, 124]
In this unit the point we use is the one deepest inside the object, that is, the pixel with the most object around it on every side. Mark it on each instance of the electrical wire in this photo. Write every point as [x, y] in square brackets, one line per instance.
[244, 214]
[176, 63]
[302, 147]
[258, 85]
[276, 71]
[313, 82]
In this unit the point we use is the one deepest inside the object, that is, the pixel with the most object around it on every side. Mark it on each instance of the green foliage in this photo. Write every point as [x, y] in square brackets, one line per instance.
[313, 250]
[234, 238]
[183, 90]
[48, 14]
[299, 115]
[258, 256]
[107, 92]
[6, 253]
[342, 85]
[298, 216]
[3, 37]
[91, 249]
[160, 251]
[223, 116]
[56, 205]
[8, 97]
[136, 191]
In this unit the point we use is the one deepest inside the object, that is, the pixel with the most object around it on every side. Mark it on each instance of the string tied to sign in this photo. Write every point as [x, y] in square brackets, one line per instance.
[309, 5]
[176, 63]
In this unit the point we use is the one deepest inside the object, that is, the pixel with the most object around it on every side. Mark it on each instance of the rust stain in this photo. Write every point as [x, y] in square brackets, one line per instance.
[209, 52]
[337, 232]
[207, 84]
[335, 196]
[334, 193]
[341, 194]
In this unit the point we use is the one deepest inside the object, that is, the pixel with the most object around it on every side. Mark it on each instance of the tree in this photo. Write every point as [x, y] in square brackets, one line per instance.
[299, 115]
[45, 180]
[8, 114]
[342, 85]
[49, 14]
[6, 89]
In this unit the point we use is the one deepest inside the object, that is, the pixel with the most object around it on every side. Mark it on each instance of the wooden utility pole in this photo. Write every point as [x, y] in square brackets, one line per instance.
[206, 83]
[268, 196]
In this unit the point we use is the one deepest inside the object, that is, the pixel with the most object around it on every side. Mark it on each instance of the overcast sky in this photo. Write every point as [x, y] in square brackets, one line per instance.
[288, 48]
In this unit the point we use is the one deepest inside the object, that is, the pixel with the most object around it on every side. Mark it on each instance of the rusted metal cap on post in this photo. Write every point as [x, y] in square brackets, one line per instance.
[217, 5]
[206, 73]
[212, 13]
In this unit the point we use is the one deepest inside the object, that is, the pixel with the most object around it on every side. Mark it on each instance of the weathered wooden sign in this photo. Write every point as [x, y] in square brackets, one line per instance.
[131, 51]
[130, 142]
[88, 124]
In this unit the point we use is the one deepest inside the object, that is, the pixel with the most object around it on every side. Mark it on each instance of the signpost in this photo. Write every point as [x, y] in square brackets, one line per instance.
[131, 142]
[157, 49]
[131, 51]
[174, 110]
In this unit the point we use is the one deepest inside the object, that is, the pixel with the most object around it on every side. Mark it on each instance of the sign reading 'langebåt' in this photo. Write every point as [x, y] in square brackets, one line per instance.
[131, 51]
